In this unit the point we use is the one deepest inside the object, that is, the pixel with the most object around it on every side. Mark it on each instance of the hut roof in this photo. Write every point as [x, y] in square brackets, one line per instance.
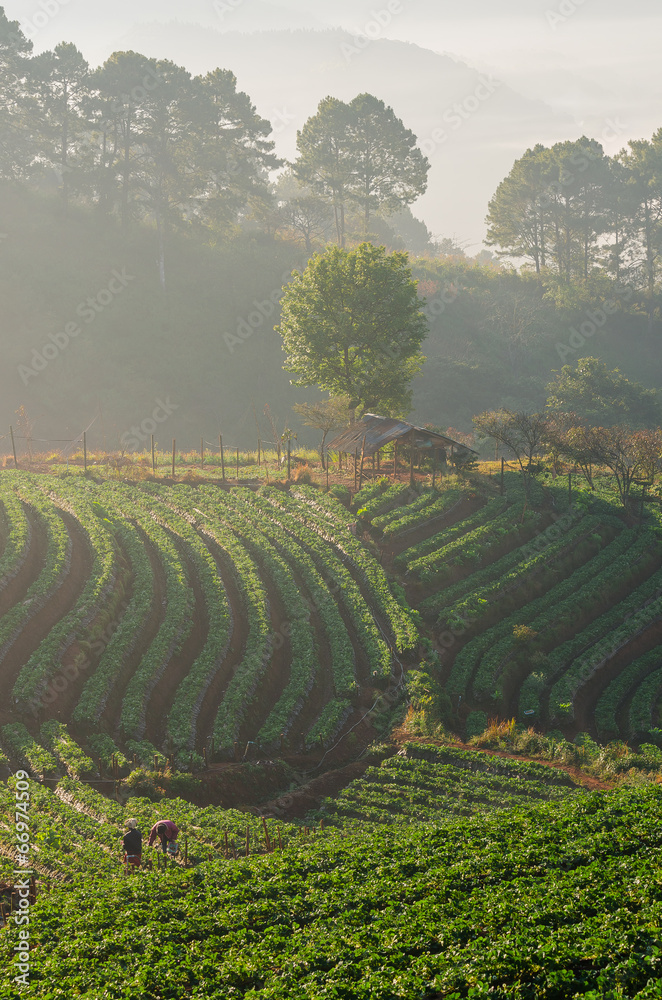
[379, 431]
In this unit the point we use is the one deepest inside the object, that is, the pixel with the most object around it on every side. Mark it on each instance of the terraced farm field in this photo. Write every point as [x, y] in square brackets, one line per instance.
[190, 617]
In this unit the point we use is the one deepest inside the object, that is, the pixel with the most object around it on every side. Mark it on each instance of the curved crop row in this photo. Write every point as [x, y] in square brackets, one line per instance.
[562, 695]
[551, 541]
[304, 662]
[432, 505]
[596, 632]
[550, 560]
[338, 577]
[342, 654]
[492, 509]
[127, 632]
[22, 745]
[18, 534]
[387, 499]
[55, 737]
[257, 650]
[488, 651]
[640, 718]
[399, 619]
[324, 504]
[100, 537]
[473, 546]
[615, 693]
[191, 691]
[55, 568]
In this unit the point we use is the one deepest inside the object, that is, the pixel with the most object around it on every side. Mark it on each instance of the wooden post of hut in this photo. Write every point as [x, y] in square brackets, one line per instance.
[362, 461]
[411, 465]
[434, 467]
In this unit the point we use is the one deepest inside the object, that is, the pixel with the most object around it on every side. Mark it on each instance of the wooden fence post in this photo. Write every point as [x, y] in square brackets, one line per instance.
[174, 445]
[84, 451]
[266, 834]
[13, 446]
[237, 465]
[153, 457]
[289, 458]
[202, 453]
[503, 465]
[248, 835]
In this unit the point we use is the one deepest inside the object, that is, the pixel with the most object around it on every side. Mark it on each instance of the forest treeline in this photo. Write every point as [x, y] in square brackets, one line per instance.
[139, 167]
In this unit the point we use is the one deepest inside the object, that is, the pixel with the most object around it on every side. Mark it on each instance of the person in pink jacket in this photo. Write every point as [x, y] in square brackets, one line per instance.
[166, 831]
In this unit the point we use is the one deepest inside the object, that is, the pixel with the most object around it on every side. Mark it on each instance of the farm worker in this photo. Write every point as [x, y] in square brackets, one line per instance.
[133, 844]
[166, 831]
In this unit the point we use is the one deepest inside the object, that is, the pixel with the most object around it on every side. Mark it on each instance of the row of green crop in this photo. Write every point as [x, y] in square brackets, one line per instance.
[25, 749]
[18, 533]
[616, 692]
[126, 634]
[190, 693]
[92, 604]
[474, 547]
[492, 509]
[487, 763]
[542, 571]
[337, 577]
[55, 737]
[303, 667]
[562, 695]
[644, 700]
[404, 790]
[246, 504]
[430, 506]
[324, 504]
[381, 502]
[398, 618]
[56, 565]
[464, 598]
[588, 587]
[303, 664]
[626, 617]
[257, 649]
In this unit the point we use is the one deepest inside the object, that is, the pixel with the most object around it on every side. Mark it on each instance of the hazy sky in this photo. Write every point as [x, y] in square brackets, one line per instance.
[594, 64]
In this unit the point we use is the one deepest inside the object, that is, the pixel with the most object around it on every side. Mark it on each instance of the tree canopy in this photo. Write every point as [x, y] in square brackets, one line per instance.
[360, 154]
[601, 396]
[351, 324]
